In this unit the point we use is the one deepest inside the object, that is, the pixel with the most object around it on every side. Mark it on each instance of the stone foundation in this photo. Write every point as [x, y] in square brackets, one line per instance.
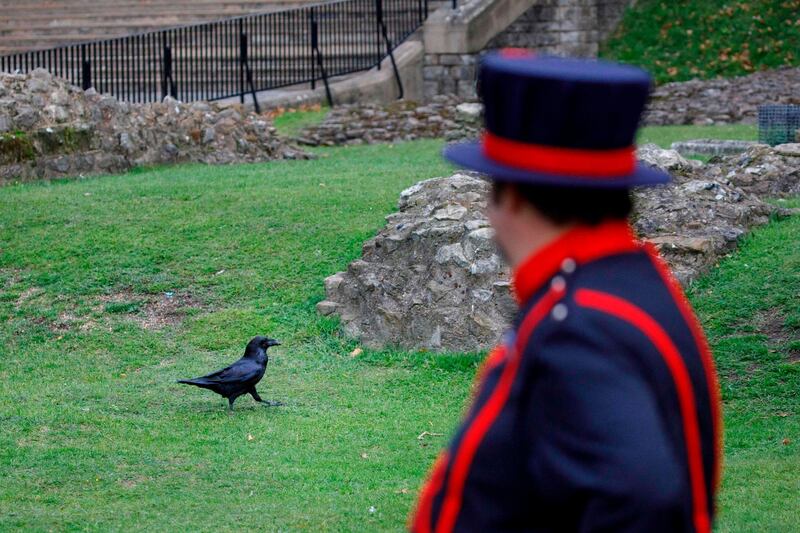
[432, 278]
[50, 129]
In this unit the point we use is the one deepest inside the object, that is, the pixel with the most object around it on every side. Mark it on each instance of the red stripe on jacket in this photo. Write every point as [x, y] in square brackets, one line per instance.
[624, 310]
[422, 522]
[475, 432]
[705, 355]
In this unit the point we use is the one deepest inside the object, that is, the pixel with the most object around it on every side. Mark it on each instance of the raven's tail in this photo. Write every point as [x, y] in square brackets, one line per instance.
[197, 382]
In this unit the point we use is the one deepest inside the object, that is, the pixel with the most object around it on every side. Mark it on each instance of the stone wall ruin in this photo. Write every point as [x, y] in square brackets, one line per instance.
[432, 279]
[49, 128]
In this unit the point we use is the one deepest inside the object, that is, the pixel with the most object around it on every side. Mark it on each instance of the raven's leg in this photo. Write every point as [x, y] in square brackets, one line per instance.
[258, 398]
[255, 395]
[231, 399]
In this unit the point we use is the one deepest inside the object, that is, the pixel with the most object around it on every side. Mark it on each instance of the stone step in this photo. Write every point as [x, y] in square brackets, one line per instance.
[73, 6]
[134, 26]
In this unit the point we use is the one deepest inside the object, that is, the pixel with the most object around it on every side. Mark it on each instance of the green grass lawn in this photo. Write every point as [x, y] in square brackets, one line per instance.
[94, 434]
[664, 136]
[684, 39]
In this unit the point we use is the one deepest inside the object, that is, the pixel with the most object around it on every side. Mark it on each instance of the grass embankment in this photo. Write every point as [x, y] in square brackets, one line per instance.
[94, 434]
[683, 39]
[291, 122]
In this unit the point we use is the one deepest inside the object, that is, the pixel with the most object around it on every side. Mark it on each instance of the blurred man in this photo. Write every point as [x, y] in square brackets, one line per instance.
[600, 410]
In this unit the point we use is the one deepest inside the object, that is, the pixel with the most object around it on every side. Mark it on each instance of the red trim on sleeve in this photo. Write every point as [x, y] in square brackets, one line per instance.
[573, 162]
[488, 413]
[624, 310]
[705, 355]
[495, 357]
[422, 519]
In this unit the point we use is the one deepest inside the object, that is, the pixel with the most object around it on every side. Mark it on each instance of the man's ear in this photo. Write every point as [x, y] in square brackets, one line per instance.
[514, 199]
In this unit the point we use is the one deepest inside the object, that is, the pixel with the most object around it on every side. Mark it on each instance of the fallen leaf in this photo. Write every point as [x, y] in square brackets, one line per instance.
[783, 415]
[364, 455]
[356, 352]
[428, 434]
[402, 491]
[786, 442]
[250, 437]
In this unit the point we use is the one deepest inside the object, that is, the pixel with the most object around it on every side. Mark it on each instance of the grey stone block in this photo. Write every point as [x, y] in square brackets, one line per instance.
[463, 72]
[431, 59]
[466, 89]
[450, 59]
[433, 72]
[448, 86]
[430, 89]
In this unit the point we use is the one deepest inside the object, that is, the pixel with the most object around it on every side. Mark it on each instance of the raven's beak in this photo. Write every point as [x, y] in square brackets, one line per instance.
[276, 343]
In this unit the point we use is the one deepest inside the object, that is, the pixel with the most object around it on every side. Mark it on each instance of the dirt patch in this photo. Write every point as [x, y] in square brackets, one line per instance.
[150, 311]
[66, 321]
[772, 324]
[27, 294]
[133, 482]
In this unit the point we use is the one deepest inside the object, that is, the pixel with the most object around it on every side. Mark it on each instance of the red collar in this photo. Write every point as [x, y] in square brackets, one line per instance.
[582, 244]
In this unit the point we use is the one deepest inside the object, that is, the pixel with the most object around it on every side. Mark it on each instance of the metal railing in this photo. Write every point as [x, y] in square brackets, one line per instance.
[236, 56]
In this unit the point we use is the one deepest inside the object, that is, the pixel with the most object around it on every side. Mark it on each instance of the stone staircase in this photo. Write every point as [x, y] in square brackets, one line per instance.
[38, 24]
[205, 58]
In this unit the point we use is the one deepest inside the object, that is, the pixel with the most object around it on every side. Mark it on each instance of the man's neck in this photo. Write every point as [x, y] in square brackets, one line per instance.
[532, 240]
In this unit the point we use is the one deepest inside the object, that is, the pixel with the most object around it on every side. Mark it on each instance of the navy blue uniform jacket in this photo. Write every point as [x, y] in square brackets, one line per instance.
[600, 411]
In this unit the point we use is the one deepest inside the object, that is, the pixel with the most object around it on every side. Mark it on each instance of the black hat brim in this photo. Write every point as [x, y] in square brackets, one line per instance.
[470, 155]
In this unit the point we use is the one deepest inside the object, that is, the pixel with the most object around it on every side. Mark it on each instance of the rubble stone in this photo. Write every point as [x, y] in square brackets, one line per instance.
[49, 128]
[433, 279]
[722, 100]
[444, 117]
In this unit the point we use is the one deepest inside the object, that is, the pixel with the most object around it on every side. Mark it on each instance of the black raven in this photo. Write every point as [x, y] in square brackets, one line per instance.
[241, 377]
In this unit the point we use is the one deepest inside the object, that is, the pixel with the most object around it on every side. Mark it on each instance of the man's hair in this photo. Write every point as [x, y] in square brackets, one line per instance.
[565, 205]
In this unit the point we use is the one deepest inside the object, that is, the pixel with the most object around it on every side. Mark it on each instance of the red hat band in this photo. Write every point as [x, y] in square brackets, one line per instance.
[557, 160]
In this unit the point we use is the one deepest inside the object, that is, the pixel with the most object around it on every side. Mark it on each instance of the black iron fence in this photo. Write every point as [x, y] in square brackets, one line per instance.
[236, 56]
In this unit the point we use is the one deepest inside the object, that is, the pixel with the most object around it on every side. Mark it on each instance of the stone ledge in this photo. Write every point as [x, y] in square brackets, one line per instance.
[471, 26]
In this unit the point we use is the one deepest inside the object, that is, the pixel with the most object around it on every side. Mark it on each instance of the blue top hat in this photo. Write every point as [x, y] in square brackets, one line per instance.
[557, 121]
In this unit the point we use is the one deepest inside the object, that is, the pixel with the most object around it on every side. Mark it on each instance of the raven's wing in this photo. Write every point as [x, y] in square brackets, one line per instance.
[242, 370]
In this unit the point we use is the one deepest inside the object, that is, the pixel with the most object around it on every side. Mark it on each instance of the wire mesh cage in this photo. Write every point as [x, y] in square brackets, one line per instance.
[778, 124]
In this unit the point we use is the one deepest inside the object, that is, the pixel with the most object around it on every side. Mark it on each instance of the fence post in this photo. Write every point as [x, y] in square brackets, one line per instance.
[378, 23]
[86, 70]
[245, 66]
[385, 34]
[242, 58]
[315, 51]
[168, 85]
[314, 43]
